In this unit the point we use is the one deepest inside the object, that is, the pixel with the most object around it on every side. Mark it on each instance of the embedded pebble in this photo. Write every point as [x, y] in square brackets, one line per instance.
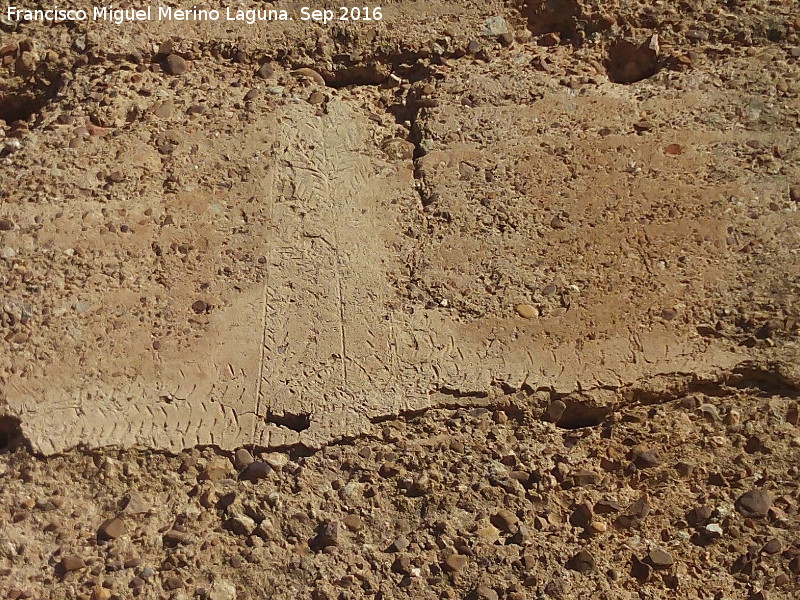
[164, 109]
[217, 469]
[399, 544]
[277, 460]
[173, 582]
[647, 459]
[309, 75]
[484, 592]
[583, 562]
[256, 470]
[659, 558]
[135, 504]
[455, 562]
[222, 590]
[173, 537]
[72, 562]
[555, 410]
[494, 27]
[353, 522]
[242, 459]
[265, 71]
[100, 593]
[527, 311]
[111, 529]
[754, 504]
[504, 520]
[174, 65]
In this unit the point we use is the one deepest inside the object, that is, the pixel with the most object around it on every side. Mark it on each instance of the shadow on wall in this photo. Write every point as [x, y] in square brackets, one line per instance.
[564, 17]
[30, 89]
[628, 62]
[10, 434]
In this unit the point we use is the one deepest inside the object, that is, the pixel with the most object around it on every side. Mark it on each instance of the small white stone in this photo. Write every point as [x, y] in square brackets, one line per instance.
[222, 590]
[12, 145]
[276, 460]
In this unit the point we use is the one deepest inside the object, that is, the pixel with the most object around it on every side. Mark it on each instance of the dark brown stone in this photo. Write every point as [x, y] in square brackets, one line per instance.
[353, 522]
[659, 558]
[265, 71]
[173, 582]
[402, 565]
[256, 470]
[699, 515]
[582, 562]
[504, 520]
[242, 459]
[604, 507]
[647, 459]
[641, 571]
[72, 563]
[794, 565]
[582, 515]
[754, 504]
[773, 546]
[111, 529]
[173, 537]
[328, 535]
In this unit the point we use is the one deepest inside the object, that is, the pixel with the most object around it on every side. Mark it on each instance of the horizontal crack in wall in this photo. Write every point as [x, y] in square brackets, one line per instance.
[763, 378]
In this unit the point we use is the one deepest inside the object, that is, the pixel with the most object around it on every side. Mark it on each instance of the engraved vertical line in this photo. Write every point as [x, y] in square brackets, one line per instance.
[342, 333]
[264, 311]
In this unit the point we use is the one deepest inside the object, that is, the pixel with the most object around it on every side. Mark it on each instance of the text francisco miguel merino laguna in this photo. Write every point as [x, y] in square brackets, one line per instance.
[151, 13]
